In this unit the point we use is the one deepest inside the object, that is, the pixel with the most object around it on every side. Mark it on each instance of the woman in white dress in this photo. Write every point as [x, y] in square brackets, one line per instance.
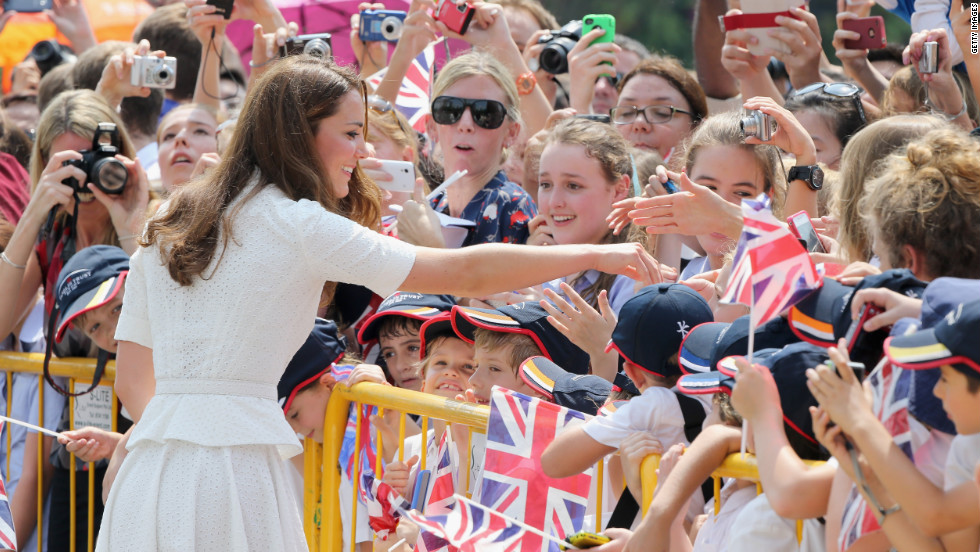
[225, 289]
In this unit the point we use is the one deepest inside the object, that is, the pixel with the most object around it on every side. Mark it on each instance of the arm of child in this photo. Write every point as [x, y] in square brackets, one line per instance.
[794, 490]
[705, 454]
[572, 452]
[23, 505]
[935, 511]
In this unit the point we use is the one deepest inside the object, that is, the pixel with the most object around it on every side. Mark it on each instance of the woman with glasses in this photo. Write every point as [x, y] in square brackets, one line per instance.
[659, 105]
[476, 111]
[831, 113]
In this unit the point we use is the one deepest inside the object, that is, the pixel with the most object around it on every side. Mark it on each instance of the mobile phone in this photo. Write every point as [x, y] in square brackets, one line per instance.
[456, 17]
[671, 187]
[597, 117]
[856, 367]
[855, 333]
[223, 7]
[585, 539]
[602, 21]
[402, 173]
[26, 6]
[871, 29]
[800, 225]
[421, 489]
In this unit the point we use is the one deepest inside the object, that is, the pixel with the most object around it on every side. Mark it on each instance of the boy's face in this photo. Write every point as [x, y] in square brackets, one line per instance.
[401, 354]
[99, 324]
[450, 366]
[494, 368]
[959, 403]
[307, 411]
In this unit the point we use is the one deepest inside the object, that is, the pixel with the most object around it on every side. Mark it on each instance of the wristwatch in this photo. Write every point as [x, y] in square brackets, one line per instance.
[526, 83]
[811, 174]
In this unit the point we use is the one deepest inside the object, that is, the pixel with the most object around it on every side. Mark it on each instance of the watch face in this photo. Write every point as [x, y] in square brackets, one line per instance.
[816, 178]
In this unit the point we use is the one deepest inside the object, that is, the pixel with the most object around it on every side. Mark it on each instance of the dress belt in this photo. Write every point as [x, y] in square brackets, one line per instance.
[216, 387]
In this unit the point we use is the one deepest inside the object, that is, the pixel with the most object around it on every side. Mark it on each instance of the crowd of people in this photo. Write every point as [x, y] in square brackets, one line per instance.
[236, 238]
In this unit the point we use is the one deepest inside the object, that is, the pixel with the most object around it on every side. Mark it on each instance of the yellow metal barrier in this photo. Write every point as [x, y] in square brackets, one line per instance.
[76, 370]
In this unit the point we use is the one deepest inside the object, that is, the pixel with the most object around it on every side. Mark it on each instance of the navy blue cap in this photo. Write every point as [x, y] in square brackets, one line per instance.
[710, 342]
[316, 356]
[528, 319]
[788, 366]
[951, 341]
[432, 328]
[706, 383]
[653, 323]
[582, 392]
[89, 279]
[417, 306]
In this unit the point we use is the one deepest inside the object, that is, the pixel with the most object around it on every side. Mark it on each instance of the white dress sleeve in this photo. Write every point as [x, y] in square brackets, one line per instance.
[134, 323]
[340, 250]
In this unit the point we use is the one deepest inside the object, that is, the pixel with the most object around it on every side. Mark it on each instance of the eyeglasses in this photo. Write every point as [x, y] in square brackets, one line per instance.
[613, 80]
[654, 114]
[488, 114]
[838, 89]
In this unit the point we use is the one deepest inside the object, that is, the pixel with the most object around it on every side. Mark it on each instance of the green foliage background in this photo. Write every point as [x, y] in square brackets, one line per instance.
[666, 25]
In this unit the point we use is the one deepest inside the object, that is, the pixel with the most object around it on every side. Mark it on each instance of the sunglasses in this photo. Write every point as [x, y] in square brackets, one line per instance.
[839, 90]
[488, 114]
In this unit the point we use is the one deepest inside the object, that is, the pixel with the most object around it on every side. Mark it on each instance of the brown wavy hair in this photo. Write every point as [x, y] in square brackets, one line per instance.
[274, 139]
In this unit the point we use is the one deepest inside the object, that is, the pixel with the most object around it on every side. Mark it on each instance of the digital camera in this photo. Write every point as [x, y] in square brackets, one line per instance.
[154, 72]
[100, 164]
[928, 63]
[760, 125]
[554, 56]
[381, 25]
[454, 16]
[314, 44]
[49, 54]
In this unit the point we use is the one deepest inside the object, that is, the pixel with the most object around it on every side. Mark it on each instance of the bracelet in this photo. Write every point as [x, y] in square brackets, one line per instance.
[6, 259]
[953, 117]
[863, 483]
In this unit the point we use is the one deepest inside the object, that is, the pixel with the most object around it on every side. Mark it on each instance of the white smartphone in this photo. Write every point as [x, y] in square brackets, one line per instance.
[402, 174]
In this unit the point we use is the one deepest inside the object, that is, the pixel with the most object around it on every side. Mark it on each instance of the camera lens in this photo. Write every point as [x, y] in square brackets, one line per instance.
[110, 175]
[554, 56]
[588, 21]
[43, 50]
[750, 126]
[164, 74]
[317, 47]
[391, 28]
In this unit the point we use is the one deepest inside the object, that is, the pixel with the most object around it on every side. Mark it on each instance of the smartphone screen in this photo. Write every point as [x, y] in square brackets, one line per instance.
[805, 231]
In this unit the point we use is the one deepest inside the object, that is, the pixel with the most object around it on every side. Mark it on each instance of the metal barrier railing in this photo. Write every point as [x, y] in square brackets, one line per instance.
[76, 370]
[322, 473]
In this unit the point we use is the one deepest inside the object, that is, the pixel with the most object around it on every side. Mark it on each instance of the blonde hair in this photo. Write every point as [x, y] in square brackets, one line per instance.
[929, 198]
[859, 163]
[724, 129]
[521, 346]
[476, 63]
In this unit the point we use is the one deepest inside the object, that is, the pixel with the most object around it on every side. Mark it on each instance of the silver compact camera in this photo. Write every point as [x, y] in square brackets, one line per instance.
[760, 125]
[154, 72]
[313, 44]
[928, 63]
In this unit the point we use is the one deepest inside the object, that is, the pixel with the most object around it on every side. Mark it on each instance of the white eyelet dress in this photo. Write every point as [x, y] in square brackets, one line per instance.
[205, 466]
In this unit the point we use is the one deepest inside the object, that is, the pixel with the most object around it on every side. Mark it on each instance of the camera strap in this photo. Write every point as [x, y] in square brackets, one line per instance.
[100, 363]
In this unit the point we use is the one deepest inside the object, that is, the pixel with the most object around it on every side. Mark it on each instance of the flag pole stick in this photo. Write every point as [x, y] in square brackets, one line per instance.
[745, 423]
[31, 426]
[526, 527]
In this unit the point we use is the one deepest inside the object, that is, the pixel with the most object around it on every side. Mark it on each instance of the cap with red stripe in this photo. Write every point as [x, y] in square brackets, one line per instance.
[433, 328]
[585, 393]
[953, 341]
[417, 306]
[528, 319]
[89, 279]
[318, 354]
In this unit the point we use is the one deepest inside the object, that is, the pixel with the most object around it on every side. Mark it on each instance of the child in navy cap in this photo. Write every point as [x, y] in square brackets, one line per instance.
[649, 332]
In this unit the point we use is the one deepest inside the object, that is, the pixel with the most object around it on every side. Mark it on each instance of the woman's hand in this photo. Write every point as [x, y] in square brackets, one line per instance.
[205, 22]
[397, 474]
[944, 59]
[755, 394]
[488, 28]
[790, 136]
[693, 210]
[632, 261]
[70, 17]
[371, 56]
[419, 28]
[25, 78]
[50, 192]
[584, 326]
[736, 57]
[840, 394]
[855, 61]
[418, 223]
[855, 272]
[128, 209]
[801, 36]
[115, 82]
[540, 232]
[586, 63]
[90, 444]
[265, 47]
[207, 162]
[632, 451]
[895, 305]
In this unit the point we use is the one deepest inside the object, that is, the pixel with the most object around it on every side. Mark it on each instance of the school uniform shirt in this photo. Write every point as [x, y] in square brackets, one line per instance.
[695, 267]
[501, 211]
[713, 535]
[757, 527]
[618, 293]
[964, 453]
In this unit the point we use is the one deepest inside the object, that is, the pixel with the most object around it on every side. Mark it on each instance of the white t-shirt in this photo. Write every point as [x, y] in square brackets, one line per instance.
[964, 454]
[757, 528]
[713, 536]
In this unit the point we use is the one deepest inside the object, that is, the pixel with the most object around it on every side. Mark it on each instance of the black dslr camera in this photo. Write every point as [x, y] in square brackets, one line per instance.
[100, 164]
[554, 56]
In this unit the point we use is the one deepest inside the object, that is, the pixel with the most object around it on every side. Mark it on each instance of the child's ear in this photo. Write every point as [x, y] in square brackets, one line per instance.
[622, 186]
[635, 373]
[327, 380]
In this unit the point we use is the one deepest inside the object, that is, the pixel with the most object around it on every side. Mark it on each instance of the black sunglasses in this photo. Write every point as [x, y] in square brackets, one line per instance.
[488, 114]
[839, 90]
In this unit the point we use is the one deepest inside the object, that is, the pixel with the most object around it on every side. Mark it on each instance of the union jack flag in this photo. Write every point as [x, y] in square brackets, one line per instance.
[890, 392]
[771, 271]
[469, 528]
[384, 504]
[8, 538]
[513, 482]
[413, 96]
[441, 500]
[369, 451]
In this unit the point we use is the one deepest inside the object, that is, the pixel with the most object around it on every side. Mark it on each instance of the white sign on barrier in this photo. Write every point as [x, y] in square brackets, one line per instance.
[95, 408]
